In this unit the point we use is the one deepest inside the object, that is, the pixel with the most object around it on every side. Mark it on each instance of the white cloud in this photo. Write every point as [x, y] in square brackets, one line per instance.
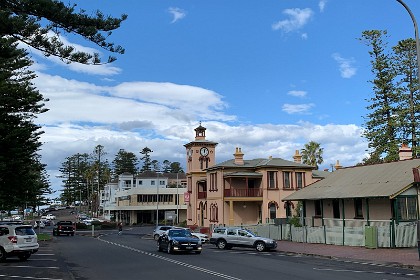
[345, 65]
[321, 5]
[297, 19]
[304, 36]
[177, 14]
[297, 93]
[297, 108]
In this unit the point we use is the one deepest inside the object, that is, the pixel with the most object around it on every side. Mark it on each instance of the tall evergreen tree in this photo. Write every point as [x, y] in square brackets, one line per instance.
[380, 122]
[20, 103]
[39, 24]
[125, 162]
[147, 162]
[312, 154]
[407, 86]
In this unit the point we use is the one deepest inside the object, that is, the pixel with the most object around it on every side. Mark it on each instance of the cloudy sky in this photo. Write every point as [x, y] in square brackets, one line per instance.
[266, 76]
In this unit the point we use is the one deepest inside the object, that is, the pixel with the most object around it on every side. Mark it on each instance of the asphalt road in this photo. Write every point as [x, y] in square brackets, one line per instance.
[134, 255]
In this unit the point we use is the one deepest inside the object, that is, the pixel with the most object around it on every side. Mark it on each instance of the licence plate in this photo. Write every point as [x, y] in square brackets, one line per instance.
[189, 248]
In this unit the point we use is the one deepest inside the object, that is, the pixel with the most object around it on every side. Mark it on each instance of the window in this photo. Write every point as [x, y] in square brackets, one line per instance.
[140, 182]
[214, 213]
[318, 208]
[152, 182]
[358, 208]
[299, 180]
[407, 208]
[286, 180]
[213, 182]
[336, 208]
[272, 179]
[273, 209]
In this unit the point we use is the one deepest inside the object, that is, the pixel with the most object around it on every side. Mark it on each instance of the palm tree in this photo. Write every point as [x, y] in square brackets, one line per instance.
[312, 154]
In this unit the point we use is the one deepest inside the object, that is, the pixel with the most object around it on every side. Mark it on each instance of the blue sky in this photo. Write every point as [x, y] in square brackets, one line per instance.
[266, 76]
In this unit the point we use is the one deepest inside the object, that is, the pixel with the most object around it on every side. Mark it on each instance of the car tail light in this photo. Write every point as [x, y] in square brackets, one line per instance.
[13, 239]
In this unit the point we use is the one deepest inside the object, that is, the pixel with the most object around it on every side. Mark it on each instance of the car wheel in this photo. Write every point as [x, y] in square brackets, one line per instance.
[221, 244]
[2, 254]
[169, 249]
[156, 237]
[24, 256]
[260, 246]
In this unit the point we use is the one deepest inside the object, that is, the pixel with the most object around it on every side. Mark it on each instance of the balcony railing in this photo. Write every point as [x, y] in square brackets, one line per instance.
[202, 195]
[243, 193]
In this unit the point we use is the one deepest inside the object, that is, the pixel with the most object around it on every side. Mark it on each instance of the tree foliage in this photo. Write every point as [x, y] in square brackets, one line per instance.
[147, 161]
[393, 115]
[125, 162]
[312, 154]
[22, 176]
[40, 23]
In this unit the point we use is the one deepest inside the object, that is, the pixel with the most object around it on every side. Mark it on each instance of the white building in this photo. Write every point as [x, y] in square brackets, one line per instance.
[138, 199]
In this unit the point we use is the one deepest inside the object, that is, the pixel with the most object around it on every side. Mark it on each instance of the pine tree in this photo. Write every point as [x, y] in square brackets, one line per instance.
[147, 162]
[380, 123]
[125, 162]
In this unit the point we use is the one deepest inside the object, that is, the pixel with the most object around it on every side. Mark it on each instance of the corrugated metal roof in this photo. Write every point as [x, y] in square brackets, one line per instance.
[379, 180]
[242, 174]
[261, 163]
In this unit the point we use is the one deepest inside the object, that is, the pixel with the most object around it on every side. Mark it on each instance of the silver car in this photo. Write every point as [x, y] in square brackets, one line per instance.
[228, 237]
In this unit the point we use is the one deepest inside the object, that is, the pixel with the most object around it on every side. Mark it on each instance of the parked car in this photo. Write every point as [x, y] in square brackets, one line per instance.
[228, 237]
[17, 240]
[159, 230]
[89, 221]
[50, 217]
[179, 240]
[64, 227]
[203, 237]
[39, 224]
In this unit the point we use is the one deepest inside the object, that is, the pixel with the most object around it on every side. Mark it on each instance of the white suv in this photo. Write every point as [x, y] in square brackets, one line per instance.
[17, 240]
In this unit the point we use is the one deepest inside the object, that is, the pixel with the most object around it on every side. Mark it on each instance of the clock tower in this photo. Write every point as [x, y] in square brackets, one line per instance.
[200, 155]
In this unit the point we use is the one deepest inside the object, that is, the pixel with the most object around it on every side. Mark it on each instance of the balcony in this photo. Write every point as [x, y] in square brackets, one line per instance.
[243, 193]
[202, 195]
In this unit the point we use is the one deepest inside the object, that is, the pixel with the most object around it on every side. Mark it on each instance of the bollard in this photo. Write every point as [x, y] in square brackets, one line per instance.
[93, 230]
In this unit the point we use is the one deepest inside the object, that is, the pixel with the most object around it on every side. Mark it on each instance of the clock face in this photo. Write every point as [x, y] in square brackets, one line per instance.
[204, 151]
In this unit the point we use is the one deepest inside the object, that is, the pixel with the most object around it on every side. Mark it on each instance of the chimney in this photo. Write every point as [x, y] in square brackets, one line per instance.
[405, 152]
[239, 156]
[337, 165]
[297, 157]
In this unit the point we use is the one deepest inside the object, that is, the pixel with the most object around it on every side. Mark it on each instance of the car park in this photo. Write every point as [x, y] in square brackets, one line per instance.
[17, 240]
[179, 240]
[228, 237]
[159, 230]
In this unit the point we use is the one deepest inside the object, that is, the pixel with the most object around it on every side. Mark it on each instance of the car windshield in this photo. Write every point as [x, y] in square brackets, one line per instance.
[179, 233]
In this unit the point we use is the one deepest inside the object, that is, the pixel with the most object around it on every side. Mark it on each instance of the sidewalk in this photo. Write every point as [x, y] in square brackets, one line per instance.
[404, 257]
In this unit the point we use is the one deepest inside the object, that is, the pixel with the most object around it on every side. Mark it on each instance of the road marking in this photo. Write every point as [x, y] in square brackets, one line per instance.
[45, 254]
[361, 271]
[28, 277]
[30, 266]
[214, 273]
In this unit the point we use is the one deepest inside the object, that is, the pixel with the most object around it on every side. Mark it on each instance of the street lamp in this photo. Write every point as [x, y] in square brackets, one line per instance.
[177, 199]
[157, 200]
[416, 32]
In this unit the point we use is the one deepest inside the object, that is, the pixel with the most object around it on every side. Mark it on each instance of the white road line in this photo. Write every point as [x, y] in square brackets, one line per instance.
[44, 254]
[224, 276]
[361, 271]
[30, 266]
[28, 277]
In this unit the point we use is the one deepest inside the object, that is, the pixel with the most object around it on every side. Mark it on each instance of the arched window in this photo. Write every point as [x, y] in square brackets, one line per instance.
[214, 215]
[272, 210]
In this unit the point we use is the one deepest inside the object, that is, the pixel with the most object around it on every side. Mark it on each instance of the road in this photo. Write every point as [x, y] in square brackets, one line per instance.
[134, 255]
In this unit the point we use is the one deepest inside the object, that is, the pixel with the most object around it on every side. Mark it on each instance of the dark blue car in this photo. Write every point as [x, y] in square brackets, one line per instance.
[179, 240]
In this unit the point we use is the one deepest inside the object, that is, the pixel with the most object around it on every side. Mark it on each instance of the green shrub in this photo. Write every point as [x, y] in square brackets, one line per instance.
[108, 225]
[81, 226]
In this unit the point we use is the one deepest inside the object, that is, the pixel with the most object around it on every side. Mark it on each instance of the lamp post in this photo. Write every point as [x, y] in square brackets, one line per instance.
[157, 200]
[177, 199]
[416, 33]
